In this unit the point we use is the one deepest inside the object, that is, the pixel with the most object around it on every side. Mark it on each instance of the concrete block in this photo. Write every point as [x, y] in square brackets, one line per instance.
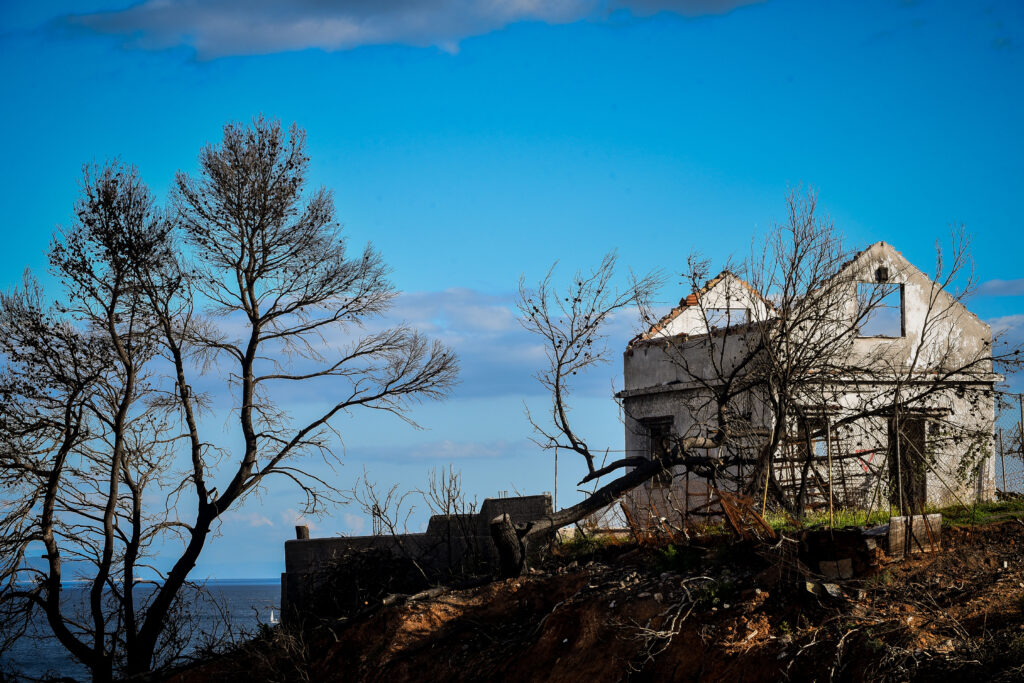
[915, 534]
[836, 569]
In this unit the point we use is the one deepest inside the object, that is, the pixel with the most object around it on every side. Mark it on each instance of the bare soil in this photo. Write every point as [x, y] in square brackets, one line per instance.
[723, 611]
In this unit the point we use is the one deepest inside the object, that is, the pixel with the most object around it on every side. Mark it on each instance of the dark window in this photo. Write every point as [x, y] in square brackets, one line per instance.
[659, 441]
[880, 308]
[819, 440]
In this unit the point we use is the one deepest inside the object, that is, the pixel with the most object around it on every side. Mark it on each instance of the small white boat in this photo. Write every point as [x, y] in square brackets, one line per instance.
[273, 619]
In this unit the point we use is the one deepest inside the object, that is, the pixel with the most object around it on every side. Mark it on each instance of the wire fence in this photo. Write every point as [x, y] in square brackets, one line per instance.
[1009, 460]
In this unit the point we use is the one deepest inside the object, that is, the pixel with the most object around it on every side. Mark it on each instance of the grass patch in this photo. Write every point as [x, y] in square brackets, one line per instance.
[715, 594]
[841, 518]
[952, 516]
[981, 513]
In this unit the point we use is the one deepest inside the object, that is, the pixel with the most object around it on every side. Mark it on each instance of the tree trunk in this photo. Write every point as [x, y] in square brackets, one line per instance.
[511, 554]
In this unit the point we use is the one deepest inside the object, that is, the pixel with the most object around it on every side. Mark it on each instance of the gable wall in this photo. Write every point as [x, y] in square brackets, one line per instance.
[940, 332]
[729, 292]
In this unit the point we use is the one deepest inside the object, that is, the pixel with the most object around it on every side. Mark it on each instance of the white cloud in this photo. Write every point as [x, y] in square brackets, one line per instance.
[497, 356]
[252, 519]
[1001, 288]
[218, 28]
[1006, 323]
[444, 451]
[455, 450]
[457, 312]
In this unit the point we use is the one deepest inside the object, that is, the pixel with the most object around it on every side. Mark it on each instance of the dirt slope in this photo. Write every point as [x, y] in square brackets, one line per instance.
[732, 611]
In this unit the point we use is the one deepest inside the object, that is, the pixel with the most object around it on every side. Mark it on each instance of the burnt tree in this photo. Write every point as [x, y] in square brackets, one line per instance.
[246, 276]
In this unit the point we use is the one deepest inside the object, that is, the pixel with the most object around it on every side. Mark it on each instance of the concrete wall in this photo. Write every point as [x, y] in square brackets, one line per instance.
[451, 544]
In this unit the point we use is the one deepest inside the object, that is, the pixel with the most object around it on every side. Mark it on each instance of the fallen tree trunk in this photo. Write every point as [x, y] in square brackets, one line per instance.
[513, 541]
[511, 552]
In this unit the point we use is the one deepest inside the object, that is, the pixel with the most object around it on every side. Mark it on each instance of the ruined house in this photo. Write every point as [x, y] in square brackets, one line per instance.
[892, 403]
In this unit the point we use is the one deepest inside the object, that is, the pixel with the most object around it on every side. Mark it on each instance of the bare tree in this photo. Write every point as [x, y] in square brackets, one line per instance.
[444, 497]
[247, 275]
[454, 552]
[572, 325]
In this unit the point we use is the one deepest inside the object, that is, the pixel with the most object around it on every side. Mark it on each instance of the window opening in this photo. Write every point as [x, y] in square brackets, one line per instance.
[719, 318]
[880, 309]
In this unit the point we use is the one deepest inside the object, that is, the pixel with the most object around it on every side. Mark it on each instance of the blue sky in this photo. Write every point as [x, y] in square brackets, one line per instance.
[473, 142]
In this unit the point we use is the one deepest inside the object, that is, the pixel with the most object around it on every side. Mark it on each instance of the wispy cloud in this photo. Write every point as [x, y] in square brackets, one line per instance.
[457, 450]
[1007, 323]
[497, 356]
[218, 28]
[1008, 336]
[354, 524]
[1008, 331]
[1001, 288]
[444, 451]
[291, 517]
[248, 518]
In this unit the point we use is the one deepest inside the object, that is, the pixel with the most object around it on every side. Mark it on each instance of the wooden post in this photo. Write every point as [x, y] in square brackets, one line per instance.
[899, 458]
[555, 502]
[828, 452]
[302, 532]
[686, 501]
[1020, 426]
[767, 473]
[1002, 457]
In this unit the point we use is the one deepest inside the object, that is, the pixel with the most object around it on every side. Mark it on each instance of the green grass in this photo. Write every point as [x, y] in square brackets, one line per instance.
[841, 518]
[981, 513]
[678, 558]
[582, 546]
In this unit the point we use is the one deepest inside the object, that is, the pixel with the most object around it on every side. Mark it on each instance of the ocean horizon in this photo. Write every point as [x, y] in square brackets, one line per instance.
[246, 602]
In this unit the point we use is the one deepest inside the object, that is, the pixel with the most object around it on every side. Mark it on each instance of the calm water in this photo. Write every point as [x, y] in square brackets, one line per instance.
[247, 601]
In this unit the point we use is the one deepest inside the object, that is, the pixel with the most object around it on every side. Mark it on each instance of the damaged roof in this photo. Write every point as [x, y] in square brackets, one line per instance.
[691, 300]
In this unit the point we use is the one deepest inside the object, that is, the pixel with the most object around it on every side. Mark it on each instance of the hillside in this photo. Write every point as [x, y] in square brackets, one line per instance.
[720, 609]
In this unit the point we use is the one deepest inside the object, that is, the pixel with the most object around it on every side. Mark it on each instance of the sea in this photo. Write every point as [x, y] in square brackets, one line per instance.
[247, 603]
